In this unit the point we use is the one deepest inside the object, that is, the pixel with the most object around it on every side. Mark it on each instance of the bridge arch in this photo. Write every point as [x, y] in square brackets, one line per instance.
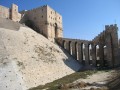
[97, 55]
[64, 44]
[82, 46]
[76, 49]
[90, 53]
[105, 55]
[70, 47]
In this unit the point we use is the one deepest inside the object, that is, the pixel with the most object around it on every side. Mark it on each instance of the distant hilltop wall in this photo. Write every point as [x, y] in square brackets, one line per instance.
[4, 12]
[10, 13]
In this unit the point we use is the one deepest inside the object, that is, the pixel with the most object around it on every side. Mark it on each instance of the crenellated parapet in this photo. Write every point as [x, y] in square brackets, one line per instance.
[109, 29]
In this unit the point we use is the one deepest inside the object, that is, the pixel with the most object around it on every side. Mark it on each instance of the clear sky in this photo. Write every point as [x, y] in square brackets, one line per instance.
[82, 19]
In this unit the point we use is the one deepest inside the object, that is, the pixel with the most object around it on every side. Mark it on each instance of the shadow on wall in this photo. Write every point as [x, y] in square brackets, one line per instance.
[71, 62]
[118, 54]
[31, 24]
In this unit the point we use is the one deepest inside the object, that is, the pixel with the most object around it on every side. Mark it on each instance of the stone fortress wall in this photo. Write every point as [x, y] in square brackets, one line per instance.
[4, 12]
[45, 21]
[11, 13]
[54, 21]
[14, 13]
[102, 51]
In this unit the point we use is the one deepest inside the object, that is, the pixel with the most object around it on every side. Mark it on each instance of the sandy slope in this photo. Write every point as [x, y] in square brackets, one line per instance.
[27, 59]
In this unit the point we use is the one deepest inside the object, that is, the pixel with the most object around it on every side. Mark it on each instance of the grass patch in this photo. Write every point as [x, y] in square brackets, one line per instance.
[65, 80]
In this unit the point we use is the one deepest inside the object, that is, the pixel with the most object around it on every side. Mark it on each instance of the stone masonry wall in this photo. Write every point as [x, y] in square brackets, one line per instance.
[55, 23]
[14, 14]
[109, 38]
[44, 20]
[37, 16]
[119, 43]
[11, 13]
[4, 12]
[101, 51]
[47, 21]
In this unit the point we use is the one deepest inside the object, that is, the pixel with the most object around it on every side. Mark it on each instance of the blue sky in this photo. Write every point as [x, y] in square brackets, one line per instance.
[82, 19]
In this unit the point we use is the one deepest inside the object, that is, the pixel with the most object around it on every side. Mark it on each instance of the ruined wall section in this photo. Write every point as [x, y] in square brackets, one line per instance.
[4, 12]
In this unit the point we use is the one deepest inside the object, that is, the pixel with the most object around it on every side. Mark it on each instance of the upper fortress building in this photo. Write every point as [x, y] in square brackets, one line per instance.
[43, 19]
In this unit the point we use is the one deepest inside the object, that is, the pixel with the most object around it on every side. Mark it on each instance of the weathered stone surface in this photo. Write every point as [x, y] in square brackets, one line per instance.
[9, 24]
[46, 20]
[104, 48]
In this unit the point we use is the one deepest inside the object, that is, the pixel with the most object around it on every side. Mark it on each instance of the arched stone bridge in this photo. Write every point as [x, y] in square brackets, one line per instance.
[101, 51]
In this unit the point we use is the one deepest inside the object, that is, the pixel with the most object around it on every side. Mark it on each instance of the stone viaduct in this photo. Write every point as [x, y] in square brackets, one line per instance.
[102, 51]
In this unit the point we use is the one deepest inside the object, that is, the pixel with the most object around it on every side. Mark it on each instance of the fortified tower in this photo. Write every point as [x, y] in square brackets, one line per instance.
[10, 13]
[14, 15]
[44, 20]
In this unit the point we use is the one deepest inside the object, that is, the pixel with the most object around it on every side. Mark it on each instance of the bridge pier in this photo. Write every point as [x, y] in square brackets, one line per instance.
[86, 54]
[110, 59]
[80, 53]
[67, 46]
[94, 55]
[74, 50]
[101, 52]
